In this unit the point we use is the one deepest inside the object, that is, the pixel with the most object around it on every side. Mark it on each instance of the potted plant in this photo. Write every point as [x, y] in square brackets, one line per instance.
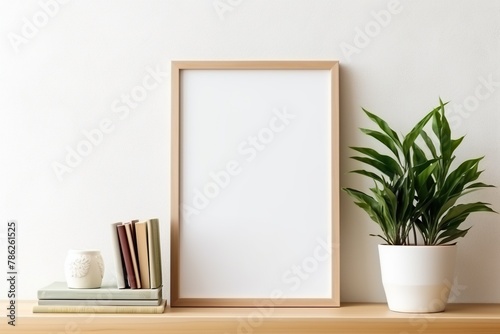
[416, 201]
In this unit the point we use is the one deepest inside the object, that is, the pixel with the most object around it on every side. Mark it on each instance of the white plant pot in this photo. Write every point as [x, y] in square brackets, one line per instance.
[417, 279]
[84, 269]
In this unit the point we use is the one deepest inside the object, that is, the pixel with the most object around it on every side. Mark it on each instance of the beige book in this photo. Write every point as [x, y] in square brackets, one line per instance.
[99, 309]
[141, 236]
[131, 245]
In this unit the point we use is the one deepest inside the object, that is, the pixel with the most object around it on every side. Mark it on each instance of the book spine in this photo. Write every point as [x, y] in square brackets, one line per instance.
[131, 246]
[142, 253]
[134, 238]
[118, 259]
[99, 309]
[154, 252]
[122, 236]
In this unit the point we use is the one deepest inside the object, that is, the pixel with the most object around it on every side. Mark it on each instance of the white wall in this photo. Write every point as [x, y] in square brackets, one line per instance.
[73, 73]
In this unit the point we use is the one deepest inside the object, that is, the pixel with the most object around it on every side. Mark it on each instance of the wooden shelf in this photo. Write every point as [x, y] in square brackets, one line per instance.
[349, 318]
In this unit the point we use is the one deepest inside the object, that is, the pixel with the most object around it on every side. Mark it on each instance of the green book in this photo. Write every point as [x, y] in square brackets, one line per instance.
[154, 252]
[59, 290]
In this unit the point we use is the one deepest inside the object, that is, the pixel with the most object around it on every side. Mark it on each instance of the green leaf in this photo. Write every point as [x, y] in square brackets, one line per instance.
[417, 169]
[361, 197]
[455, 143]
[384, 159]
[368, 174]
[448, 204]
[386, 169]
[428, 141]
[419, 156]
[457, 179]
[384, 127]
[453, 234]
[409, 139]
[459, 211]
[479, 185]
[445, 134]
[384, 139]
[436, 125]
[422, 179]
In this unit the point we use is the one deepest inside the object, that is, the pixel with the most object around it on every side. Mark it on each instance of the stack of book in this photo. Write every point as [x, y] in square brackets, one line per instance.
[137, 254]
[58, 298]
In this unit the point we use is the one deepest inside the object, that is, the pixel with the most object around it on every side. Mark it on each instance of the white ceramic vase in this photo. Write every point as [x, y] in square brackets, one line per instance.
[417, 279]
[84, 269]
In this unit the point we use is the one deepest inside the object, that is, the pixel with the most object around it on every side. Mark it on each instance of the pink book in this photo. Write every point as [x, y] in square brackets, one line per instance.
[129, 267]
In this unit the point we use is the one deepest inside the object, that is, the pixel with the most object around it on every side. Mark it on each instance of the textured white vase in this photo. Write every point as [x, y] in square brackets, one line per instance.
[417, 279]
[84, 269]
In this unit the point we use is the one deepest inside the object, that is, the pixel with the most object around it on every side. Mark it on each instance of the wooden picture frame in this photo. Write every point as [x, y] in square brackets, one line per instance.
[255, 184]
